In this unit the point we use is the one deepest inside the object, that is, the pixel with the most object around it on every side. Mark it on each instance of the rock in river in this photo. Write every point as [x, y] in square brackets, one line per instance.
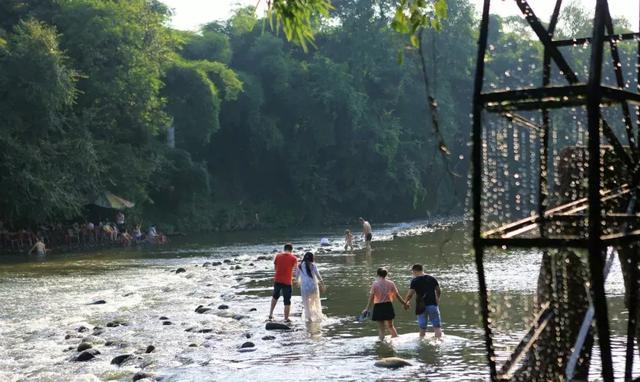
[276, 326]
[87, 355]
[268, 338]
[163, 318]
[180, 270]
[84, 346]
[116, 323]
[167, 323]
[98, 302]
[223, 306]
[392, 362]
[248, 344]
[150, 349]
[142, 375]
[119, 360]
[201, 309]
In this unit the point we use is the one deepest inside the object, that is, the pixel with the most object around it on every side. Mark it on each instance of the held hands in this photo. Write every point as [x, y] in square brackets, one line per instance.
[406, 305]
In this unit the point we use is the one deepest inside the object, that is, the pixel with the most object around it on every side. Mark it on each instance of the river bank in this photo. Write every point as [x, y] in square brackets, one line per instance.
[151, 296]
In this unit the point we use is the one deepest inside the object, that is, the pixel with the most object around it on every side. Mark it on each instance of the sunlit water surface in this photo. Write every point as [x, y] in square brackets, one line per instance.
[44, 302]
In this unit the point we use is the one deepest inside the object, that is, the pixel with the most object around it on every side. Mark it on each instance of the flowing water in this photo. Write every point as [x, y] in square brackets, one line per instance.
[45, 310]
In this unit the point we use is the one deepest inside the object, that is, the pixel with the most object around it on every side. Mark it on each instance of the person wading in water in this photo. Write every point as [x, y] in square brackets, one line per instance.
[284, 264]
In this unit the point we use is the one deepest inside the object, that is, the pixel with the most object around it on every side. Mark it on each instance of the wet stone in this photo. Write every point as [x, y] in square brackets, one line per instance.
[253, 310]
[163, 318]
[206, 264]
[98, 302]
[201, 309]
[116, 323]
[238, 267]
[180, 270]
[205, 330]
[276, 326]
[227, 261]
[128, 294]
[142, 375]
[87, 355]
[223, 306]
[167, 323]
[193, 345]
[216, 263]
[247, 335]
[119, 360]
[84, 346]
[239, 317]
[150, 349]
[268, 338]
[82, 329]
[98, 331]
[392, 363]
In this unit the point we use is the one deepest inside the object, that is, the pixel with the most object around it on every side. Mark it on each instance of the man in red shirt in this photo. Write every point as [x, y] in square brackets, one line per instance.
[284, 263]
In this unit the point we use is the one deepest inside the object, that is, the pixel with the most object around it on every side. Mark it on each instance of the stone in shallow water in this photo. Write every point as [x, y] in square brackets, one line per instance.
[392, 362]
[87, 355]
[276, 326]
[84, 346]
[142, 375]
[116, 323]
[223, 306]
[268, 338]
[246, 350]
[201, 309]
[98, 302]
[205, 330]
[150, 349]
[167, 323]
[163, 318]
[248, 344]
[119, 360]
[180, 270]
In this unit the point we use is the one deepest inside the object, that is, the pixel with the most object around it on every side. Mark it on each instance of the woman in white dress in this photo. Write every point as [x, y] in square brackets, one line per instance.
[310, 283]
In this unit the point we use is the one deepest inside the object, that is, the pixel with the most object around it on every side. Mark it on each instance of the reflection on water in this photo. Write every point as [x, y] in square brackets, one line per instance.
[45, 306]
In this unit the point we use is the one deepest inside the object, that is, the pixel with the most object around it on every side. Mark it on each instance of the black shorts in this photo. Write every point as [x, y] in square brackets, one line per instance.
[368, 237]
[286, 292]
[383, 312]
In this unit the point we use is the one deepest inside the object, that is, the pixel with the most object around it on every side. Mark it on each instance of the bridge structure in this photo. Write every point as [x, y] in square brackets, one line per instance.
[598, 219]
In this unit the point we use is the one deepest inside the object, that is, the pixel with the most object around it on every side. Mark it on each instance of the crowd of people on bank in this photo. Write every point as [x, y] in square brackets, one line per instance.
[424, 289]
[78, 234]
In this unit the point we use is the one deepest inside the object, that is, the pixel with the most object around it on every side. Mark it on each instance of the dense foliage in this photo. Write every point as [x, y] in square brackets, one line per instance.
[265, 133]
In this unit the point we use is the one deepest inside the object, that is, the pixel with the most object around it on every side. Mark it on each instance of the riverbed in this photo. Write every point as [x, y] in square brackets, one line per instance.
[47, 310]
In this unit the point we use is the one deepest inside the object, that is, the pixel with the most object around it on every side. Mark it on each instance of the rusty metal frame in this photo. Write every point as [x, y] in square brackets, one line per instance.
[592, 95]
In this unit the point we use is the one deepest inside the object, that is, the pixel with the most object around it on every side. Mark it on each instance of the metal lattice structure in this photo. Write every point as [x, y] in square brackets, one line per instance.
[596, 225]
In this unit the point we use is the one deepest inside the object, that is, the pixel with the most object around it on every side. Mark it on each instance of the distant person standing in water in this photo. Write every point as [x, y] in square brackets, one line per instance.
[427, 292]
[39, 247]
[284, 265]
[367, 234]
[348, 240]
[381, 296]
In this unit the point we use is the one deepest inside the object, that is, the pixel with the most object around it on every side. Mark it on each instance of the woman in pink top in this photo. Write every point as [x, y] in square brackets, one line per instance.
[382, 294]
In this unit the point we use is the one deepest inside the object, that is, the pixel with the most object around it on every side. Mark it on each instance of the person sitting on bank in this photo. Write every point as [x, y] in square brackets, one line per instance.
[39, 247]
[381, 296]
[427, 291]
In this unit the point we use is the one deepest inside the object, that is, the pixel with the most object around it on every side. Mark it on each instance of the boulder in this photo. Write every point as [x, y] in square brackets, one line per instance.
[98, 302]
[223, 306]
[87, 355]
[180, 270]
[163, 318]
[119, 360]
[116, 323]
[82, 329]
[206, 264]
[227, 261]
[84, 346]
[238, 267]
[142, 375]
[150, 349]
[392, 363]
[276, 326]
[253, 310]
[248, 344]
[167, 323]
[247, 335]
[205, 330]
[193, 345]
[268, 338]
[216, 263]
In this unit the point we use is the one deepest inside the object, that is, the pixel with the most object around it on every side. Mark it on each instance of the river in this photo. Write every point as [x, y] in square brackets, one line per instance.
[45, 310]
